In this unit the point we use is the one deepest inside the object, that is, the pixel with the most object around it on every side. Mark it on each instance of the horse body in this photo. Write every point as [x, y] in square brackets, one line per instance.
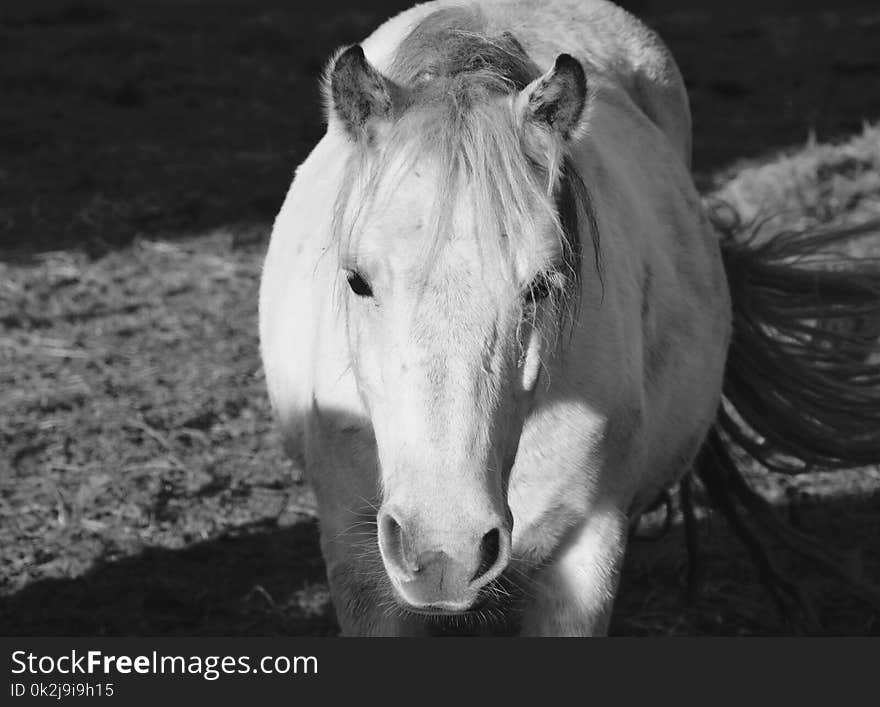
[605, 421]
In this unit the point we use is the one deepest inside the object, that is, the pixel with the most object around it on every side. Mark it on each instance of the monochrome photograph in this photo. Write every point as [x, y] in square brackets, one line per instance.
[488, 318]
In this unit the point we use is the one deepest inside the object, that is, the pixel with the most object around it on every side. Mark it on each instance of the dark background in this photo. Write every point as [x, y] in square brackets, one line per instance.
[119, 118]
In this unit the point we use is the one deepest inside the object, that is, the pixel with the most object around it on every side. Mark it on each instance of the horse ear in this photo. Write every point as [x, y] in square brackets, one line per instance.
[557, 99]
[357, 93]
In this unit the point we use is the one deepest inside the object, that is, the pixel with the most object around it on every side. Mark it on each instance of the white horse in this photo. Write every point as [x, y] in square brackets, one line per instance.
[494, 315]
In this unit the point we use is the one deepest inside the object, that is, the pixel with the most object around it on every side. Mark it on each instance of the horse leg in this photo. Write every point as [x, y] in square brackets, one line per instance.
[574, 595]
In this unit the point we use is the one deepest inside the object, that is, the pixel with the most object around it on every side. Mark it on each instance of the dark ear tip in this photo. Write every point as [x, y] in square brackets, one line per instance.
[564, 59]
[356, 50]
[351, 58]
[568, 64]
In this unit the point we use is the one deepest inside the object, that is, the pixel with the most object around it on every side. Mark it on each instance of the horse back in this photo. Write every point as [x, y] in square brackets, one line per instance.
[616, 48]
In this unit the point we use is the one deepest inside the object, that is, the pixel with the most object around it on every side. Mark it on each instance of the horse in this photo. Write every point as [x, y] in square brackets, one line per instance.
[497, 321]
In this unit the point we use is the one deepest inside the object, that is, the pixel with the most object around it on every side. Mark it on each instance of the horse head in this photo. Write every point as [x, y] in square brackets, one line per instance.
[458, 254]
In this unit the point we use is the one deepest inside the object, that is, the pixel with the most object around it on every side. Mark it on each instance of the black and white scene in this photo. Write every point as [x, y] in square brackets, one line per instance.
[461, 318]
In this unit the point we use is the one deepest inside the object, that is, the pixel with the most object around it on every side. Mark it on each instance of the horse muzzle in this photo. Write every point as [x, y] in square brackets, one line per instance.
[441, 572]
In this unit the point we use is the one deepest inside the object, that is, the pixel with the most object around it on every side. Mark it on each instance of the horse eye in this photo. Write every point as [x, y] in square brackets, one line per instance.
[358, 285]
[538, 290]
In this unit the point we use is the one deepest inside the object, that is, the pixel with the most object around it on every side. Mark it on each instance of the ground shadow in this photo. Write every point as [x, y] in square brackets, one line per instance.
[267, 580]
[260, 580]
[730, 599]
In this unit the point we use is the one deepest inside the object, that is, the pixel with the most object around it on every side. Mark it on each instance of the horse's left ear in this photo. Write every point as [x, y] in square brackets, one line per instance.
[556, 100]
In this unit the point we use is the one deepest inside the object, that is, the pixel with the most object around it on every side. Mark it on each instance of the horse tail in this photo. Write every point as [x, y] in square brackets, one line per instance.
[801, 389]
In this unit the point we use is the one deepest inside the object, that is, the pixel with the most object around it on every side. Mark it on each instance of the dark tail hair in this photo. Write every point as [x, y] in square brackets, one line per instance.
[802, 383]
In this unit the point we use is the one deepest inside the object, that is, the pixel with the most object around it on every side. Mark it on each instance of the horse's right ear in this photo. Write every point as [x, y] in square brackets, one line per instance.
[357, 94]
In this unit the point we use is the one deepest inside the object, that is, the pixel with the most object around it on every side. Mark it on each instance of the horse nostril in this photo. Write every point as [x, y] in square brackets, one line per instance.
[391, 541]
[490, 548]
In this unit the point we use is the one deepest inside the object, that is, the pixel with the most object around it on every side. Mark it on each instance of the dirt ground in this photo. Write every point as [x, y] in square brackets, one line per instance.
[143, 154]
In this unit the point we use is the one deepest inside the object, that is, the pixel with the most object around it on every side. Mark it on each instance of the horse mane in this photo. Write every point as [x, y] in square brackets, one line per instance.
[452, 73]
